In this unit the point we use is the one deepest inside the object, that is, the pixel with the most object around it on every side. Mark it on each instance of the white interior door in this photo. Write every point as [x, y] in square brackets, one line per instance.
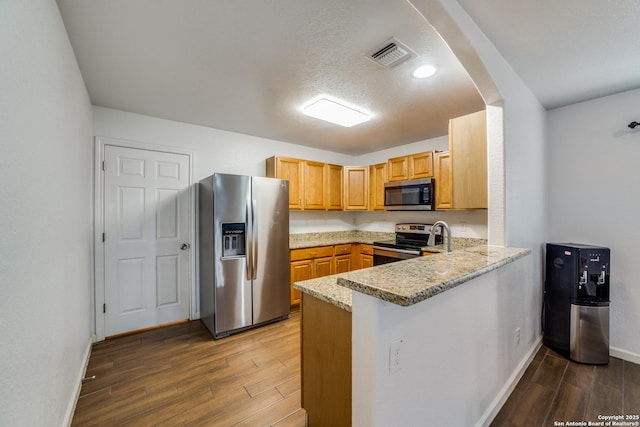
[146, 247]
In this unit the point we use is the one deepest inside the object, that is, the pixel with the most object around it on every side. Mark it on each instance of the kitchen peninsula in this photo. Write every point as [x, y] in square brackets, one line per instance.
[381, 355]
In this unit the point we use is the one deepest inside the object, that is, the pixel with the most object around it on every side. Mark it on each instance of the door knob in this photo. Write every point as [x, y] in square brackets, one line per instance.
[185, 246]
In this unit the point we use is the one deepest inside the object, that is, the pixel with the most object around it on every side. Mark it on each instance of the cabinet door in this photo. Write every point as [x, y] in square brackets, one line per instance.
[334, 187]
[291, 170]
[356, 188]
[323, 267]
[314, 181]
[366, 249]
[398, 168]
[468, 148]
[362, 256]
[421, 165]
[300, 270]
[342, 264]
[366, 260]
[377, 178]
[444, 197]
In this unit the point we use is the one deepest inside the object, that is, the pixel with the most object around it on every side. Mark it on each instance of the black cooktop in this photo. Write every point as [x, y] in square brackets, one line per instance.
[410, 245]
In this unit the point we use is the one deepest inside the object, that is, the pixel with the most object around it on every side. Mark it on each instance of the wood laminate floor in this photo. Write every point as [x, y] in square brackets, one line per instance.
[180, 376]
[555, 390]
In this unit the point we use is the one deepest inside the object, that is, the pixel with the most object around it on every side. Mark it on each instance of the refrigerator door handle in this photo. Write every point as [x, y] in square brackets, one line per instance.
[254, 232]
[248, 243]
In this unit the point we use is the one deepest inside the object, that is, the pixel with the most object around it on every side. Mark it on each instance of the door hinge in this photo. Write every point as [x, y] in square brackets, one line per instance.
[103, 237]
[103, 165]
[104, 308]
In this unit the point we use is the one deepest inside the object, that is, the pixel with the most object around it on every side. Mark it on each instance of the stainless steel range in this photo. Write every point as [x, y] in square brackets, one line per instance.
[410, 239]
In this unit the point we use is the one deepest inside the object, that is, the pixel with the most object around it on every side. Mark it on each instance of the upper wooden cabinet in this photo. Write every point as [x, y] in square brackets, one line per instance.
[314, 185]
[442, 166]
[322, 186]
[292, 170]
[308, 182]
[398, 168]
[333, 187]
[461, 180]
[342, 258]
[419, 165]
[356, 188]
[377, 178]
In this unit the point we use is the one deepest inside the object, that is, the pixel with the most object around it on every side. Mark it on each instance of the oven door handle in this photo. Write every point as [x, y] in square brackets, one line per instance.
[390, 251]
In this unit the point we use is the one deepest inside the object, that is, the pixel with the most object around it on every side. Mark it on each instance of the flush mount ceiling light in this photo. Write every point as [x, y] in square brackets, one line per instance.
[332, 111]
[424, 71]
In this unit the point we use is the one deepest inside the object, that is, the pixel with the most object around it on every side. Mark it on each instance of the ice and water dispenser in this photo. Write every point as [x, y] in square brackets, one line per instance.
[576, 302]
[233, 239]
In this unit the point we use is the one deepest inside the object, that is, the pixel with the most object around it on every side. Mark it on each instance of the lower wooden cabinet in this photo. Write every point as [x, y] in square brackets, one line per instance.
[300, 270]
[342, 258]
[325, 363]
[366, 261]
[309, 263]
[362, 256]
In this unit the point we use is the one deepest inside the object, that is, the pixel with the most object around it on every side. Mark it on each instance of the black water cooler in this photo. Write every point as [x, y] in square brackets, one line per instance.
[576, 302]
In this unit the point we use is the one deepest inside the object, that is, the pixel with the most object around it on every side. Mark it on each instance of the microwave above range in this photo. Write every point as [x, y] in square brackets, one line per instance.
[412, 195]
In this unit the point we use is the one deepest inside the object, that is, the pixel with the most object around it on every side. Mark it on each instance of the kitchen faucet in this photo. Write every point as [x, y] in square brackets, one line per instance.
[432, 234]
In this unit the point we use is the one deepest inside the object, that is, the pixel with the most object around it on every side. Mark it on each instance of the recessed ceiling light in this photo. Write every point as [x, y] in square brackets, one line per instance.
[424, 71]
[332, 111]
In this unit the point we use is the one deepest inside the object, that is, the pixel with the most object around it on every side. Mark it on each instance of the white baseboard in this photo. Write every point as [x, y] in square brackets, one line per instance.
[76, 395]
[624, 355]
[510, 385]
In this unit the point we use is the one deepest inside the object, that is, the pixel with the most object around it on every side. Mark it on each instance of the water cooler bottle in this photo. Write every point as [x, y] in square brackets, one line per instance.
[576, 302]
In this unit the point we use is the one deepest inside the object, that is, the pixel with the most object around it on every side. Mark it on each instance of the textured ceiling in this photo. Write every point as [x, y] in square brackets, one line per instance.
[566, 51]
[248, 66]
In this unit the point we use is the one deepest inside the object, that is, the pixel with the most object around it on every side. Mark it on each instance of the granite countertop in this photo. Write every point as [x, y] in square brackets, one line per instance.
[457, 243]
[310, 240]
[327, 289]
[409, 282]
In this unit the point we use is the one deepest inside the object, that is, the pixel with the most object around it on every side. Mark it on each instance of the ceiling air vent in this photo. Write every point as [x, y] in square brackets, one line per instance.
[390, 54]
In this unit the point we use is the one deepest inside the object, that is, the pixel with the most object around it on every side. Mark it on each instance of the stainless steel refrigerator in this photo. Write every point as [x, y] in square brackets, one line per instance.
[243, 252]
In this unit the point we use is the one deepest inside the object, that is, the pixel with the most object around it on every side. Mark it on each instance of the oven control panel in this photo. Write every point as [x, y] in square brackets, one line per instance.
[416, 228]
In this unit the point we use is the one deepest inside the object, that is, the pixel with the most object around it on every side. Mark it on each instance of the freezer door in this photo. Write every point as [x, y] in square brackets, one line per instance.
[270, 250]
[232, 293]
[205, 252]
[589, 336]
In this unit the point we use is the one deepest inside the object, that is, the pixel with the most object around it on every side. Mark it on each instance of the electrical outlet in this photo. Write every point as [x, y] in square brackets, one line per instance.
[394, 356]
[517, 336]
